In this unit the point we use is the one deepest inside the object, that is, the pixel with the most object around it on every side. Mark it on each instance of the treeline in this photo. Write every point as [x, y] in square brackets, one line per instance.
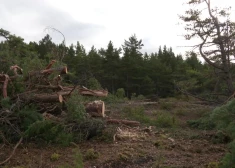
[160, 73]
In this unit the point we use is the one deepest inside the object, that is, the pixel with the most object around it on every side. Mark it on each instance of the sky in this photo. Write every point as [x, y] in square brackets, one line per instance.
[96, 22]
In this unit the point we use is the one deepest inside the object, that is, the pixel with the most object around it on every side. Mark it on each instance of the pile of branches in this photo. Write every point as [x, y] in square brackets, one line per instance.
[42, 96]
[42, 89]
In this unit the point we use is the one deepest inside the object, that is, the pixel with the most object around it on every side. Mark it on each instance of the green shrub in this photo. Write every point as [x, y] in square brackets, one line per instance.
[229, 158]
[137, 113]
[91, 154]
[107, 134]
[6, 103]
[120, 93]
[49, 132]
[166, 105]
[204, 123]
[87, 129]
[54, 157]
[133, 96]
[93, 83]
[76, 109]
[160, 120]
[28, 116]
[213, 165]
[165, 120]
[113, 99]
[224, 117]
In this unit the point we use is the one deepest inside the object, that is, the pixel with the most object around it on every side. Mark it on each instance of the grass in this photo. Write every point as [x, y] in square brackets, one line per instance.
[161, 119]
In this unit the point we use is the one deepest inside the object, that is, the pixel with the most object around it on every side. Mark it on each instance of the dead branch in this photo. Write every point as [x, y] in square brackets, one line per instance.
[13, 152]
[51, 63]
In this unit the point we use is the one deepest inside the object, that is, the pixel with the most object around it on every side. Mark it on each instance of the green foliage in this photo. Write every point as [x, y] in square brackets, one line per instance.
[87, 129]
[213, 165]
[204, 123]
[28, 116]
[54, 157]
[229, 158]
[75, 107]
[224, 117]
[162, 119]
[93, 83]
[91, 154]
[6, 103]
[166, 105]
[165, 120]
[49, 132]
[107, 134]
[120, 93]
[113, 99]
[137, 113]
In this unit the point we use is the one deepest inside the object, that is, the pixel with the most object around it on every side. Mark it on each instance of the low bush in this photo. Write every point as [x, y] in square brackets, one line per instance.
[229, 159]
[76, 109]
[48, 131]
[166, 105]
[165, 120]
[91, 154]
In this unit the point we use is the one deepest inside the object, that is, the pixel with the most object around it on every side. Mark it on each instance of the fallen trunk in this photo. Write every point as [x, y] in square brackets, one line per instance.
[47, 98]
[95, 108]
[100, 93]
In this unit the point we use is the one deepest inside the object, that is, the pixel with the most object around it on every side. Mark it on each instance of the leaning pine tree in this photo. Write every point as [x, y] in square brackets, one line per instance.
[215, 30]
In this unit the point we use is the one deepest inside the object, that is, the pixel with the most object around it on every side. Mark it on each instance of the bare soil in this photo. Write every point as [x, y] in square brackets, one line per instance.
[179, 147]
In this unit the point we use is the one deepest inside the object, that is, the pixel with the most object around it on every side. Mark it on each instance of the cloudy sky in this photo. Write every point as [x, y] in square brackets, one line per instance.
[96, 22]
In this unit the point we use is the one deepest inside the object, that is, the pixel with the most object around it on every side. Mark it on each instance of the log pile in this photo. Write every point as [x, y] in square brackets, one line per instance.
[44, 88]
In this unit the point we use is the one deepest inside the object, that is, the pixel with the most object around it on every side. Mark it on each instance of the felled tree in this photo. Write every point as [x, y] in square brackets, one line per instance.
[216, 32]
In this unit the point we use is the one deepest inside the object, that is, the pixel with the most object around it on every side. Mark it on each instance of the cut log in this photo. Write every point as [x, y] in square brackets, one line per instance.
[95, 108]
[125, 122]
[5, 79]
[47, 98]
[100, 93]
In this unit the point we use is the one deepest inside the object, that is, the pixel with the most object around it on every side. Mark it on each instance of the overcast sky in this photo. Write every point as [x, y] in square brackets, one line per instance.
[96, 22]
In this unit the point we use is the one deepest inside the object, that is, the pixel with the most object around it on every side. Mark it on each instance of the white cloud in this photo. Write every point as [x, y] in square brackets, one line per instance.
[95, 22]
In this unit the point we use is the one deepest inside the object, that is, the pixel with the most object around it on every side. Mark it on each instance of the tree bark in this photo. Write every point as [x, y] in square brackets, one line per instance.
[45, 98]
[100, 93]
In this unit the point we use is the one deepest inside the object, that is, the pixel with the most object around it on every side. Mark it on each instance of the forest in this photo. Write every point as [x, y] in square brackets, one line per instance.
[179, 103]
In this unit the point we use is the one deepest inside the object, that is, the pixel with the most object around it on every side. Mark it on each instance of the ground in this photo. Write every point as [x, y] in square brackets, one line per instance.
[176, 146]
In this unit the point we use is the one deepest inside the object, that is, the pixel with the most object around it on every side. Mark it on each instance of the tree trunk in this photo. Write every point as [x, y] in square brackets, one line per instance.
[100, 93]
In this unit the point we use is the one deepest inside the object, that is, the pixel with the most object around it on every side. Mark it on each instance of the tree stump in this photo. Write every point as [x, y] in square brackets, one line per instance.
[95, 108]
